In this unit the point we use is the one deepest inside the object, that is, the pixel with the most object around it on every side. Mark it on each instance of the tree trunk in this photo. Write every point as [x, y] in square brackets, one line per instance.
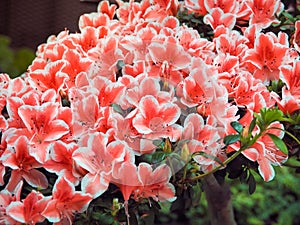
[219, 201]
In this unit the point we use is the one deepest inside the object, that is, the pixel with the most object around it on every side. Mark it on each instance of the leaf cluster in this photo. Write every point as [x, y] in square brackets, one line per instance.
[14, 62]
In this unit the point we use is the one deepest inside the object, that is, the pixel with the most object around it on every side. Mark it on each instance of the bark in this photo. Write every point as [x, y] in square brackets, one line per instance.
[219, 201]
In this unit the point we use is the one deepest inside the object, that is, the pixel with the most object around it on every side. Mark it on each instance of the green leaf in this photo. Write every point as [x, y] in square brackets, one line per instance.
[279, 143]
[158, 156]
[117, 108]
[132, 218]
[196, 194]
[105, 218]
[120, 65]
[158, 143]
[23, 58]
[237, 126]
[297, 127]
[196, 20]
[252, 125]
[229, 139]
[268, 116]
[65, 102]
[244, 176]
[288, 15]
[252, 184]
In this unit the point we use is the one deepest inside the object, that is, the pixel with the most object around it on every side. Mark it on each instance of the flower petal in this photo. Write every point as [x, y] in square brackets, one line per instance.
[51, 212]
[94, 184]
[36, 179]
[16, 211]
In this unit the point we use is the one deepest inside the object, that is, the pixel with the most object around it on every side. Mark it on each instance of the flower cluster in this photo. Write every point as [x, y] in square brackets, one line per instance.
[93, 102]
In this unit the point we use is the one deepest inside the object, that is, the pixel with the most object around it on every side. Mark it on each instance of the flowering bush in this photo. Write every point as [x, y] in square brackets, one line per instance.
[139, 104]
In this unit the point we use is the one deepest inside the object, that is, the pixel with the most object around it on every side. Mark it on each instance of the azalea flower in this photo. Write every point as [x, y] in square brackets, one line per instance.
[266, 57]
[266, 153]
[139, 43]
[23, 165]
[28, 210]
[61, 162]
[149, 86]
[105, 57]
[155, 183]
[75, 65]
[43, 127]
[105, 7]
[264, 11]
[144, 182]
[170, 57]
[65, 201]
[296, 39]
[127, 184]
[289, 102]
[93, 104]
[108, 92]
[98, 159]
[198, 88]
[203, 142]
[94, 20]
[247, 91]
[196, 6]
[218, 17]
[6, 198]
[49, 77]
[154, 119]
[232, 43]
[123, 130]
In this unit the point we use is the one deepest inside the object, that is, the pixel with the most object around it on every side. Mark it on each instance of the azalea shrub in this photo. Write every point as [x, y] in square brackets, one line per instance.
[145, 101]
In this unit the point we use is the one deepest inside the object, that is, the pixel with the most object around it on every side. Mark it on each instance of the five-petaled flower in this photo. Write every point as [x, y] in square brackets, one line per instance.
[65, 202]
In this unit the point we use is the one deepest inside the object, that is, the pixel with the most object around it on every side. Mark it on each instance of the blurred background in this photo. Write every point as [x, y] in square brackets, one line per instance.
[25, 24]
[29, 22]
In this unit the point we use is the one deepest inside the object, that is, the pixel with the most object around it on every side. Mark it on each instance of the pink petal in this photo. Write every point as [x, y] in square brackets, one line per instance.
[117, 150]
[126, 183]
[39, 151]
[167, 193]
[145, 171]
[56, 129]
[36, 179]
[3, 123]
[266, 170]
[63, 189]
[14, 181]
[251, 153]
[80, 202]
[170, 113]
[16, 211]
[149, 106]
[9, 159]
[94, 184]
[161, 174]
[141, 124]
[51, 212]
[83, 157]
[2, 172]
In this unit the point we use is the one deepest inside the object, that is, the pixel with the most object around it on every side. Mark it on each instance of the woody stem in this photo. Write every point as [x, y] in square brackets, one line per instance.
[218, 197]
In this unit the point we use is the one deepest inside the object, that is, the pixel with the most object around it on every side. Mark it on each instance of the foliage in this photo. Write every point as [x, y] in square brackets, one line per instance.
[266, 206]
[14, 62]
